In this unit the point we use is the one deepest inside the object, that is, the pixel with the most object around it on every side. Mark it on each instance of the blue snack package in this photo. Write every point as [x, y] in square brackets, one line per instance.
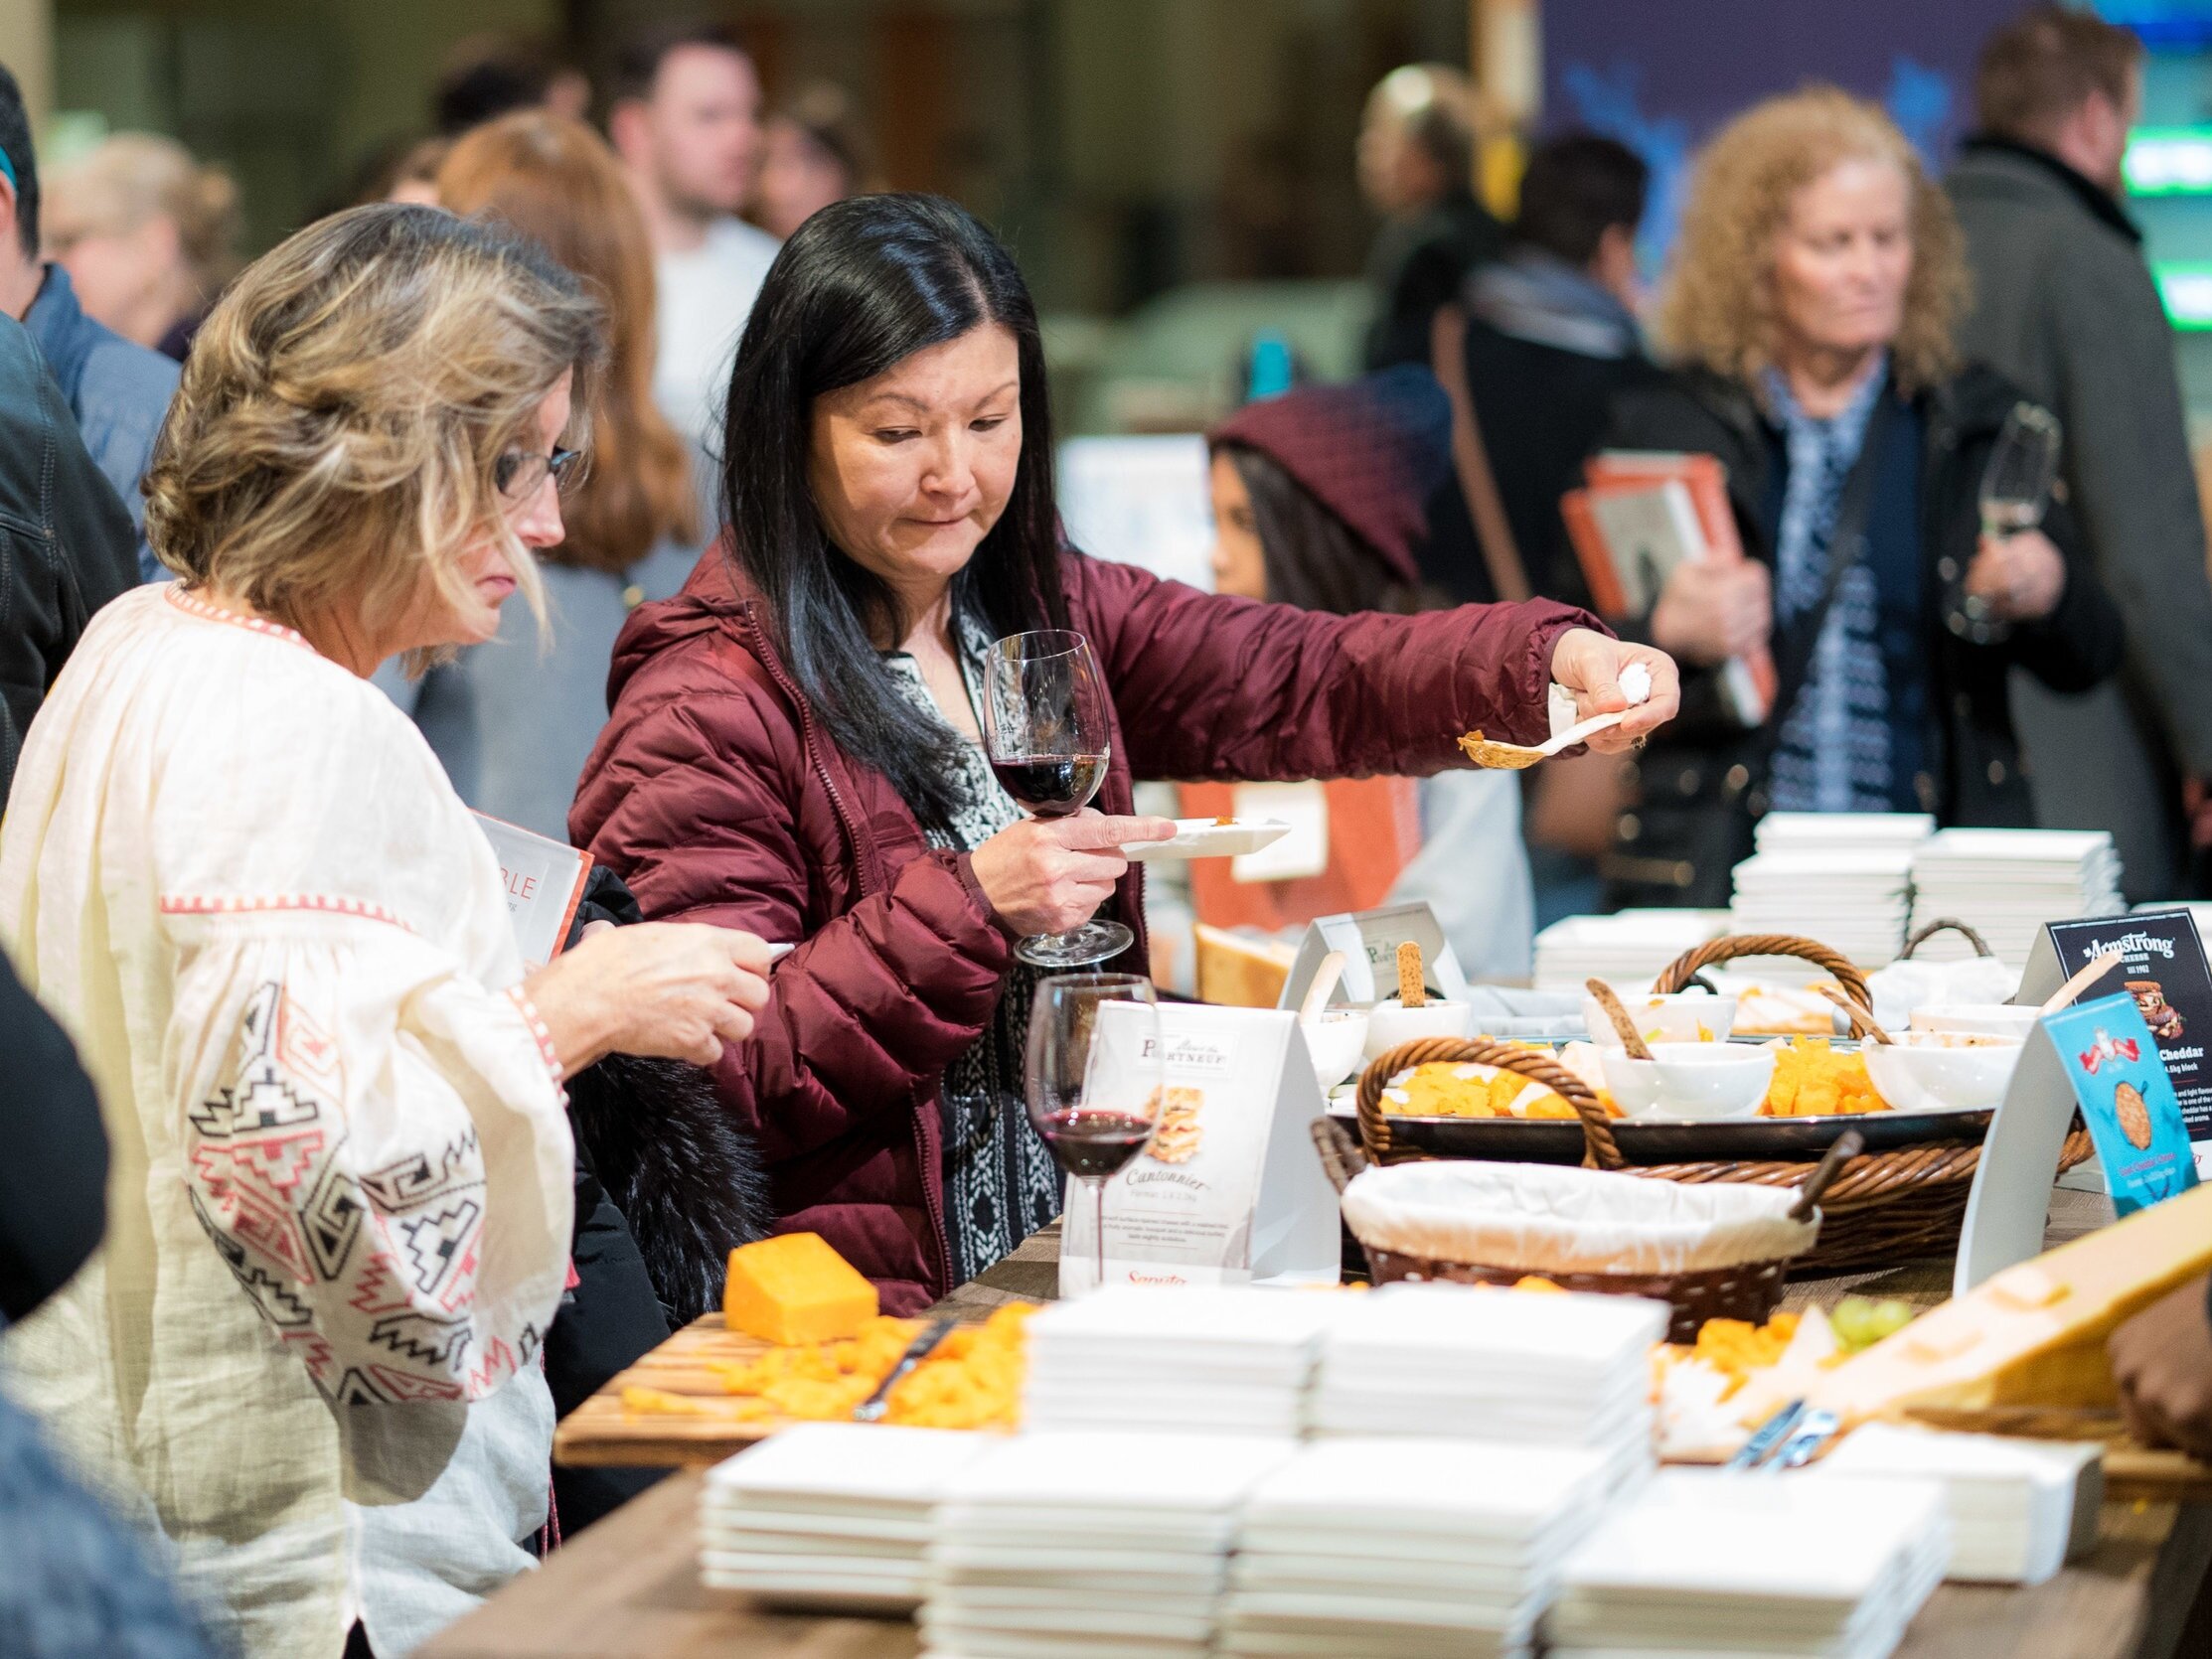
[2126, 1099]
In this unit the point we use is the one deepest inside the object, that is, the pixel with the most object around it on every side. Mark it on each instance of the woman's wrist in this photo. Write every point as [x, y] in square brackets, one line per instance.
[577, 1019]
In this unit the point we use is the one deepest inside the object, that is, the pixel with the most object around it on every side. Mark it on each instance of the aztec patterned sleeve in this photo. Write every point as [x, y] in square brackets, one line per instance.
[375, 1143]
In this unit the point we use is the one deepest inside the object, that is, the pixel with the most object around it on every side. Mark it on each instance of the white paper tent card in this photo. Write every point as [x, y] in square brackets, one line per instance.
[1369, 940]
[1230, 1190]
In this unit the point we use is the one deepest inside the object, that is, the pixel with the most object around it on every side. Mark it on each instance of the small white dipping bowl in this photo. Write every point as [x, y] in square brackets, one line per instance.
[1335, 1038]
[1941, 1071]
[1666, 1019]
[1987, 1019]
[1391, 1022]
[1690, 1083]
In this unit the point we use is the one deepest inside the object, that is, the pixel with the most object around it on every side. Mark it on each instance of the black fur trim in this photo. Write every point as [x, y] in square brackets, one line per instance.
[685, 1177]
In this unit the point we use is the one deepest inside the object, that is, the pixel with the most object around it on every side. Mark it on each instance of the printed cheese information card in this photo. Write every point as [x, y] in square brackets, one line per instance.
[1223, 1194]
[2126, 1099]
[2162, 967]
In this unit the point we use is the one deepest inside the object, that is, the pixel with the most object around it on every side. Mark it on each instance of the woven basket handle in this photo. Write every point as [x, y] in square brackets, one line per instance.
[1599, 1149]
[1677, 974]
[1847, 1147]
[1943, 924]
[1342, 1156]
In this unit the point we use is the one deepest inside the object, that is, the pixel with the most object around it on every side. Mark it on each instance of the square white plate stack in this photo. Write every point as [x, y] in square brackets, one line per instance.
[830, 1514]
[1709, 1563]
[1457, 1362]
[2018, 1508]
[1627, 950]
[1855, 900]
[2006, 883]
[1094, 1545]
[1197, 1359]
[1377, 1549]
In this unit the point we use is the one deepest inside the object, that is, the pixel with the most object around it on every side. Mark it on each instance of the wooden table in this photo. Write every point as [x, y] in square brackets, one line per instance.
[629, 1587]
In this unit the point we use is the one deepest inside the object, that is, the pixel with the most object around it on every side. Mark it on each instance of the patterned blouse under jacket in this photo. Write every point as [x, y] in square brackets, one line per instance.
[339, 1209]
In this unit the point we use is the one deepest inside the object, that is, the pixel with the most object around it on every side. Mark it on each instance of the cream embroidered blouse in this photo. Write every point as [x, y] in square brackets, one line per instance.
[340, 1202]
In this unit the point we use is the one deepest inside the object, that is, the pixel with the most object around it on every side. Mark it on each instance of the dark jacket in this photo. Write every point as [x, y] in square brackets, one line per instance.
[117, 390]
[717, 797]
[1417, 264]
[1701, 786]
[2065, 306]
[66, 543]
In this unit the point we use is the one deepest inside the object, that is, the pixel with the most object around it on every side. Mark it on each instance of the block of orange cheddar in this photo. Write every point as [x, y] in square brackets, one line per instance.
[2033, 1334]
[795, 1289]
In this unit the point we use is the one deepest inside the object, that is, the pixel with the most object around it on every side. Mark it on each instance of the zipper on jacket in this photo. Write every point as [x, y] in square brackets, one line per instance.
[932, 1198]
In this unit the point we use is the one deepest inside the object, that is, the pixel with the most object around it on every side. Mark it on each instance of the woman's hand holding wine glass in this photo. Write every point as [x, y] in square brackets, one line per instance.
[1049, 875]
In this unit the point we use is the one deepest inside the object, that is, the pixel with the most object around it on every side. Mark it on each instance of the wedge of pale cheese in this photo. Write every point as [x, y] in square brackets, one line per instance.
[2033, 1334]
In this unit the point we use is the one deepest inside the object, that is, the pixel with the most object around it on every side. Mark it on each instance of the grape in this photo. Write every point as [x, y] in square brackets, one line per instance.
[1860, 1321]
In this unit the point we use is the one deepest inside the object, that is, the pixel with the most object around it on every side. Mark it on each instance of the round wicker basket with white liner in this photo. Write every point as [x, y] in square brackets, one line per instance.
[1713, 1251]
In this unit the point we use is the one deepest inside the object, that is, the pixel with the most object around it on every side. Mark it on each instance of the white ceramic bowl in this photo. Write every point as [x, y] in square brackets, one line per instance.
[1335, 1038]
[1988, 1019]
[1687, 1016]
[1390, 1024]
[1700, 1083]
[1941, 1071]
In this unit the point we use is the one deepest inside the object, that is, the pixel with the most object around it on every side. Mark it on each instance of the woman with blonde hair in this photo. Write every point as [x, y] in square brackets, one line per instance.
[340, 1192]
[147, 235]
[1810, 315]
[632, 515]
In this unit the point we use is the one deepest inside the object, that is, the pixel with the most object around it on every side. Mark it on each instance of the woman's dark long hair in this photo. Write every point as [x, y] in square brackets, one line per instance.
[861, 285]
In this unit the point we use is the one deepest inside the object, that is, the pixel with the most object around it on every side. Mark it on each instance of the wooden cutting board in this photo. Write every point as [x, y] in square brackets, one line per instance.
[600, 1431]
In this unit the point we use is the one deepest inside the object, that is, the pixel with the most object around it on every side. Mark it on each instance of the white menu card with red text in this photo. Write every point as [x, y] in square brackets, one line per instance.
[544, 880]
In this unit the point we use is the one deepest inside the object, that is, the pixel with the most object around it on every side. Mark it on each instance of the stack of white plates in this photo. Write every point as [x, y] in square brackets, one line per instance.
[1375, 1549]
[830, 1514]
[1626, 950]
[2006, 883]
[1716, 1564]
[1091, 1544]
[1843, 879]
[2018, 1508]
[1455, 1362]
[1229, 1359]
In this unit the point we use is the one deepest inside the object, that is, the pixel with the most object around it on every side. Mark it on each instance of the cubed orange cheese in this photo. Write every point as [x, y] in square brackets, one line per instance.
[795, 1289]
[2034, 1335]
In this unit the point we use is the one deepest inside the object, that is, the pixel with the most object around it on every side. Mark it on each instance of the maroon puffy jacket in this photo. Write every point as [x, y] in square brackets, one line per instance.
[716, 795]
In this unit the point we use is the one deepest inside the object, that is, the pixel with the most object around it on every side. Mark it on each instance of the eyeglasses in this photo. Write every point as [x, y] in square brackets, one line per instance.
[520, 473]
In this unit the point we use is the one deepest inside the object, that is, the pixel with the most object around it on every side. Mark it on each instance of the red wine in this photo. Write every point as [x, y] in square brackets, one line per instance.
[1093, 1144]
[1051, 786]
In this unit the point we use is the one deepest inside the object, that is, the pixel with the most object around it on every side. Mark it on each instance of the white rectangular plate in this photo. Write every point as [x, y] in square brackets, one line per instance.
[1202, 837]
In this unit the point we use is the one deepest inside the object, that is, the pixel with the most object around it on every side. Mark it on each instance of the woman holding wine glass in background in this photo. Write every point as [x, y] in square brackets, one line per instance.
[796, 741]
[1895, 571]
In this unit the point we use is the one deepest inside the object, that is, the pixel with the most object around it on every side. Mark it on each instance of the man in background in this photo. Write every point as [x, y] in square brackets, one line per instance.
[2065, 306]
[117, 392]
[1551, 336]
[65, 540]
[686, 121]
[1416, 169]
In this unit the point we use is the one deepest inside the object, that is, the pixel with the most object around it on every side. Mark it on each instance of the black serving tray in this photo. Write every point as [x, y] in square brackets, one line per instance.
[1745, 1140]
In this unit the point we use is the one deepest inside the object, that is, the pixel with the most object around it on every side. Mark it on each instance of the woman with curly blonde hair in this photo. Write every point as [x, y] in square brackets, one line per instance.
[340, 1194]
[1810, 318]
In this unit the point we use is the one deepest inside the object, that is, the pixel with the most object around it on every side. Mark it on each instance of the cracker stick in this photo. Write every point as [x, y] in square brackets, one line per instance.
[1411, 993]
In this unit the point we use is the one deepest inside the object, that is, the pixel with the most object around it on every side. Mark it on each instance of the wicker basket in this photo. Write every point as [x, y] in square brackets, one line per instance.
[1749, 1291]
[1884, 1208]
[1686, 966]
[1943, 924]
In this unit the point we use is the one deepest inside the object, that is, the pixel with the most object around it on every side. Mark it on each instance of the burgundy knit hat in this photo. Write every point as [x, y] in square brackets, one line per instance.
[1372, 450]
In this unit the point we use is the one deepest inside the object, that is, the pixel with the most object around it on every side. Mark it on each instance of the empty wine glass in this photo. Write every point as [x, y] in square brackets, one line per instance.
[1092, 1079]
[2016, 488]
[1046, 726]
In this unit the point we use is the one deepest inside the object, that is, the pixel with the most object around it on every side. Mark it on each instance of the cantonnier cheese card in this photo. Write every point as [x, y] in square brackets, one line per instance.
[1182, 1211]
[545, 883]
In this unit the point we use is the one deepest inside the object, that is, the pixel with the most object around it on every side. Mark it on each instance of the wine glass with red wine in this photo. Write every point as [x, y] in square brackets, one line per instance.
[1045, 728]
[1092, 1076]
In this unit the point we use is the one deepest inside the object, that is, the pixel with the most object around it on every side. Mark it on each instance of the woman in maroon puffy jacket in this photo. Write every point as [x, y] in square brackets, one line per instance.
[794, 746]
